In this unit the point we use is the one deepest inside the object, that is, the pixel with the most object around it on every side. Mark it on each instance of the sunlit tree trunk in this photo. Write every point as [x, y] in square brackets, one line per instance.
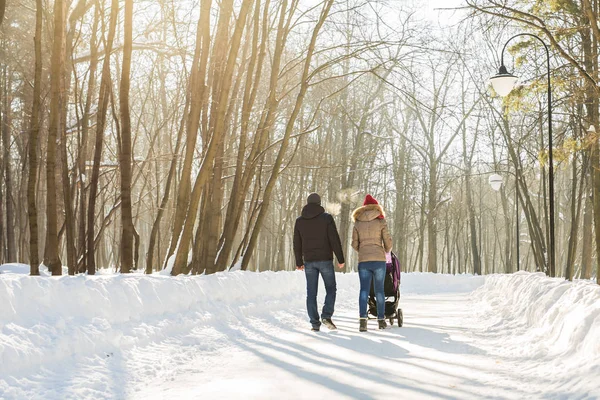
[105, 89]
[588, 238]
[210, 212]
[34, 260]
[262, 132]
[125, 156]
[51, 251]
[467, 159]
[239, 191]
[576, 204]
[11, 250]
[216, 137]
[590, 39]
[197, 94]
[69, 221]
[432, 204]
[83, 154]
[165, 198]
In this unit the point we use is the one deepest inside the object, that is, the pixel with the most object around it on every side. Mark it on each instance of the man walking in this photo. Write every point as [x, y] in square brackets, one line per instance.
[315, 240]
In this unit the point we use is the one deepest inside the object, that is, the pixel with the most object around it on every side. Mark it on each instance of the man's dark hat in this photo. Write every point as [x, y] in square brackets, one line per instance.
[314, 198]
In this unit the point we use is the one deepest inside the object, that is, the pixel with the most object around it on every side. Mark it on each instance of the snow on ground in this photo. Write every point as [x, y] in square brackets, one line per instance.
[245, 335]
[17, 268]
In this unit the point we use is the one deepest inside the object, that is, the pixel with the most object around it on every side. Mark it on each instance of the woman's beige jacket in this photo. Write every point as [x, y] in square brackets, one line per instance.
[370, 236]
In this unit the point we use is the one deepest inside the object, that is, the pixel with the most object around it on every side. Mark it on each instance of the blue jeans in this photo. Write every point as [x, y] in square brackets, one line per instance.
[366, 271]
[312, 270]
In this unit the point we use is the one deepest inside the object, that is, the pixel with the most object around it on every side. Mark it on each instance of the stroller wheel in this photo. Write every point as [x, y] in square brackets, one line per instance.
[391, 321]
[400, 318]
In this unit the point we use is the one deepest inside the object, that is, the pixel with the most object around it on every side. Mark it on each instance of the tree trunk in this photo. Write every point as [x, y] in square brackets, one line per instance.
[211, 215]
[590, 60]
[105, 89]
[238, 191]
[83, 150]
[401, 209]
[51, 251]
[197, 93]
[125, 155]
[68, 202]
[588, 238]
[431, 219]
[242, 186]
[467, 159]
[596, 201]
[217, 134]
[34, 255]
[165, 198]
[11, 250]
[576, 200]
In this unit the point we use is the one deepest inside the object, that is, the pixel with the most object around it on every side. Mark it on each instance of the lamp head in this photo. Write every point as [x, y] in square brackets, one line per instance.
[503, 82]
[495, 181]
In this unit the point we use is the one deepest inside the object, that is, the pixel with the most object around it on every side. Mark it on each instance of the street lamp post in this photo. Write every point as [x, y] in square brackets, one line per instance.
[518, 231]
[503, 83]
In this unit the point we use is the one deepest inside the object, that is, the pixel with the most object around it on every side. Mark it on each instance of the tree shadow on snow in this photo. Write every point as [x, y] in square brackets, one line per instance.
[387, 344]
[424, 337]
[276, 351]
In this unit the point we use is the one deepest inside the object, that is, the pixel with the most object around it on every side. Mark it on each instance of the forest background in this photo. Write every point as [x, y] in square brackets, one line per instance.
[186, 135]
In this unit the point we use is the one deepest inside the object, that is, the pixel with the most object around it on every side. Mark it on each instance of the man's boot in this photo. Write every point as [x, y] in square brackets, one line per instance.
[329, 323]
[363, 325]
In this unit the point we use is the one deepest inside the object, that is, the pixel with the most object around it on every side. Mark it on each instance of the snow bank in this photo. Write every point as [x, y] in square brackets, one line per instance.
[23, 269]
[44, 320]
[547, 319]
[16, 268]
[120, 298]
[429, 283]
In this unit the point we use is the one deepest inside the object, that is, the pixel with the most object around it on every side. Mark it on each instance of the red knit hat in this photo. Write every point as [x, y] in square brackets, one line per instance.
[369, 200]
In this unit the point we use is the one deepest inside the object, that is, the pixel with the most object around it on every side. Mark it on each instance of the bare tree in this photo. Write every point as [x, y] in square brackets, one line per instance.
[105, 89]
[51, 252]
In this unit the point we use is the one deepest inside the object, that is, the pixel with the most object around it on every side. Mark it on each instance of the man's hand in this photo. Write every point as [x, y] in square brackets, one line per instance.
[341, 266]
[300, 268]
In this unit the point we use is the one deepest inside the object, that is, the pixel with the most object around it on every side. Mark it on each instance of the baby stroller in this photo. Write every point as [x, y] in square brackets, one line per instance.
[391, 292]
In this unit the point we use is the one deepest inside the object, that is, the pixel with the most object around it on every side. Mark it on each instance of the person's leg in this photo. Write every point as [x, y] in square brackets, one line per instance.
[312, 286]
[364, 275]
[379, 276]
[328, 274]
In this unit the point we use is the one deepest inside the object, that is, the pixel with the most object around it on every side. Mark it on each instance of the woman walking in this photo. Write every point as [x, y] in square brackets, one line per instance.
[372, 240]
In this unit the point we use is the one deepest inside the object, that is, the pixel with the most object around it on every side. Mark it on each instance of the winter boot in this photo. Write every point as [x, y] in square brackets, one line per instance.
[363, 325]
[382, 324]
[315, 329]
[329, 323]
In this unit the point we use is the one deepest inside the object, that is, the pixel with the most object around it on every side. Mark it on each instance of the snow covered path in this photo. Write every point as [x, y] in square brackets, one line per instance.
[278, 357]
[458, 342]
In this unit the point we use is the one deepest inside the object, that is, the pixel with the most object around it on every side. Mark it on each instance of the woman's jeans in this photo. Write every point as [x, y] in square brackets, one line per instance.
[312, 269]
[366, 271]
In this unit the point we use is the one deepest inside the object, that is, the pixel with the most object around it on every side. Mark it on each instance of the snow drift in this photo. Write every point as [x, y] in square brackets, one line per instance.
[550, 321]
